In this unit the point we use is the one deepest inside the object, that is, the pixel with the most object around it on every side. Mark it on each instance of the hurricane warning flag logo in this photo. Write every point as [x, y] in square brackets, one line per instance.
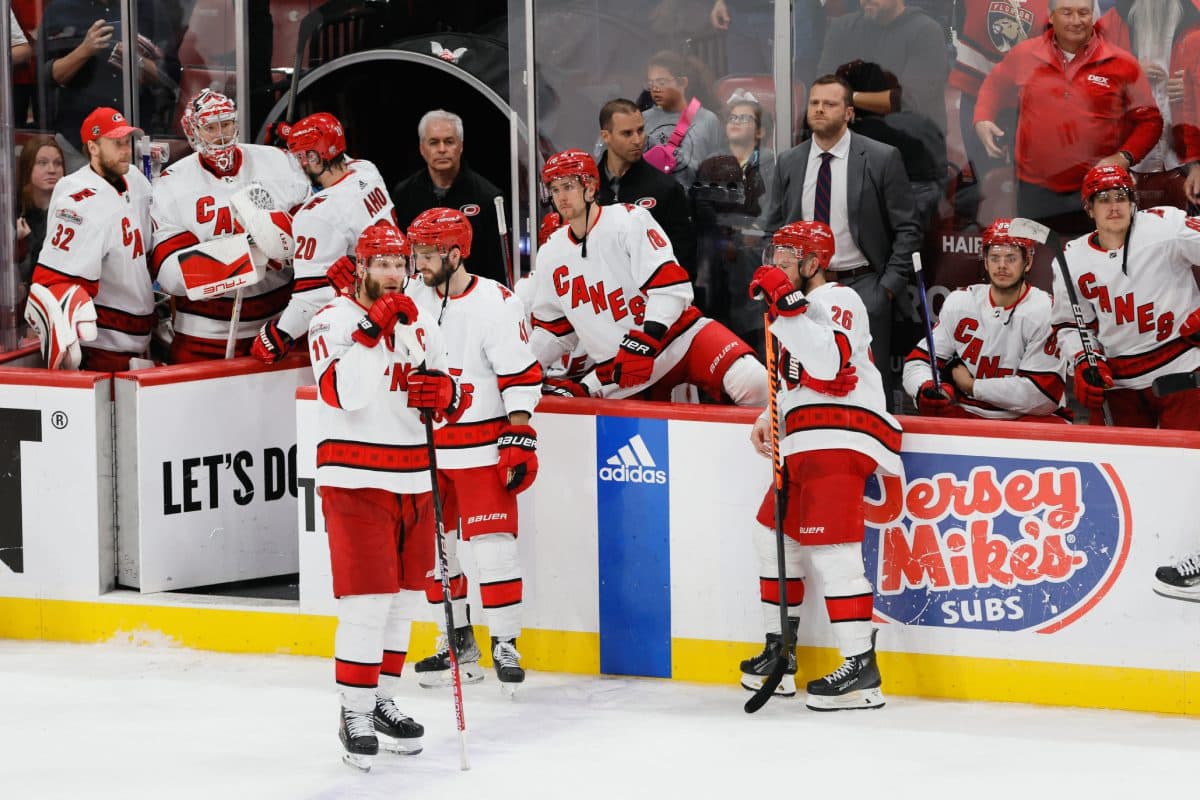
[1007, 545]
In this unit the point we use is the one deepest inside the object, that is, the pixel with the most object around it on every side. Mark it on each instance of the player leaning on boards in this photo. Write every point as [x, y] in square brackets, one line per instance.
[608, 280]
[97, 232]
[209, 195]
[349, 197]
[489, 455]
[836, 432]
[1133, 278]
[373, 476]
[995, 354]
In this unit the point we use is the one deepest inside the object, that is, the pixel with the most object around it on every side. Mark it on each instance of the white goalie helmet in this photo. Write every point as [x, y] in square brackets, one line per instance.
[204, 126]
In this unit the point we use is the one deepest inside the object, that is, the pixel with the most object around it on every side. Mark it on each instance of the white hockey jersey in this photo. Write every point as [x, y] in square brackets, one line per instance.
[369, 437]
[487, 346]
[191, 205]
[326, 228]
[1008, 350]
[1137, 315]
[833, 332]
[98, 237]
[630, 276]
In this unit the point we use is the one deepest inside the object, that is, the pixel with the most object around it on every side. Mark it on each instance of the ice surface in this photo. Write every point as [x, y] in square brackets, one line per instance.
[101, 721]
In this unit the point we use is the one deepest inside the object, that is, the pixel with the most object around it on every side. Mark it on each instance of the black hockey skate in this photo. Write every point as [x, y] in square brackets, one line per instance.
[508, 664]
[357, 732]
[756, 669]
[1181, 580]
[434, 671]
[855, 684]
[397, 732]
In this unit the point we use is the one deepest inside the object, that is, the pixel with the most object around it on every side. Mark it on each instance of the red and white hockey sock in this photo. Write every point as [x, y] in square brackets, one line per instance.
[396, 632]
[458, 587]
[849, 598]
[768, 576]
[358, 648]
[500, 585]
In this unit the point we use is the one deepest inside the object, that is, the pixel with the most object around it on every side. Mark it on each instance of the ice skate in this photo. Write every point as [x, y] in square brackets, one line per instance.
[397, 732]
[357, 732]
[855, 684]
[755, 670]
[1181, 580]
[434, 671]
[508, 665]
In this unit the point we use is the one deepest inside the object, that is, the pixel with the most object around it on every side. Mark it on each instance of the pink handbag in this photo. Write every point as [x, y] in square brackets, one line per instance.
[665, 157]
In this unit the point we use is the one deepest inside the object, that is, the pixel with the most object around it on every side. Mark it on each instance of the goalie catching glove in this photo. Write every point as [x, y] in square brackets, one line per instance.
[62, 316]
[436, 392]
[270, 229]
[518, 456]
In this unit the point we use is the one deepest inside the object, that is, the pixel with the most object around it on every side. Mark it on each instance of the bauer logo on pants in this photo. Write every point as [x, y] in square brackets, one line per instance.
[997, 544]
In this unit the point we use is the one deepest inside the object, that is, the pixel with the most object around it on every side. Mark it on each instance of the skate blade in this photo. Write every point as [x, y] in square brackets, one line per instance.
[1175, 593]
[469, 673]
[509, 690]
[359, 762]
[851, 701]
[786, 687]
[400, 747]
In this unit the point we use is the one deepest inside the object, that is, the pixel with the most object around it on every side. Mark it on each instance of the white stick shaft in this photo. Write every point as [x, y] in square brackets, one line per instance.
[917, 263]
[234, 318]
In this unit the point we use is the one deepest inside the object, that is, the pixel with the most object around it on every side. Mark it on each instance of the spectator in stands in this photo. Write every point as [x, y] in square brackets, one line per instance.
[28, 14]
[680, 132]
[19, 46]
[39, 169]
[858, 187]
[906, 42]
[626, 178]
[750, 25]
[1082, 102]
[1187, 129]
[447, 182]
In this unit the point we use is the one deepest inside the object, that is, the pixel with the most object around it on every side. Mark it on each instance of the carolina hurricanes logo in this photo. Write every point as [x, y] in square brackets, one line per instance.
[470, 209]
[646, 202]
[1008, 24]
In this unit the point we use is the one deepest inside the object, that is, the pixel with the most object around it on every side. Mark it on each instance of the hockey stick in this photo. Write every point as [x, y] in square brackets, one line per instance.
[418, 352]
[760, 697]
[505, 250]
[234, 318]
[928, 319]
[1024, 228]
[1176, 382]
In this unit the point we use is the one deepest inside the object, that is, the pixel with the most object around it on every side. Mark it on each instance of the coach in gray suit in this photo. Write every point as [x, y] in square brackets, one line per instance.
[859, 187]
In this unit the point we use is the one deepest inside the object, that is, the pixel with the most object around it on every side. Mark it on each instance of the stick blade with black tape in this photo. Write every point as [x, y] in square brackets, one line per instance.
[1023, 228]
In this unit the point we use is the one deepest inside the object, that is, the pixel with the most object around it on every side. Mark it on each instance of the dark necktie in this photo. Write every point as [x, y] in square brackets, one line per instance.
[824, 182]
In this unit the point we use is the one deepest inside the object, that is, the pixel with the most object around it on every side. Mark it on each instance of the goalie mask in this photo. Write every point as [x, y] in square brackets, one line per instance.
[210, 124]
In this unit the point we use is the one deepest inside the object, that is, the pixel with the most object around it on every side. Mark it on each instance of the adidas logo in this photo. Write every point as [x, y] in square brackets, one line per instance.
[632, 464]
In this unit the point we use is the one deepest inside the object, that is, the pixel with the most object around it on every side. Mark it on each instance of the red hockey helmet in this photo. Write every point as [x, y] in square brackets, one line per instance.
[807, 238]
[571, 164]
[550, 223]
[443, 228]
[320, 133]
[997, 233]
[380, 239]
[1107, 176]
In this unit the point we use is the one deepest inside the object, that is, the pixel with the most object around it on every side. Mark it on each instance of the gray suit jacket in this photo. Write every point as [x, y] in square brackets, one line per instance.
[879, 201]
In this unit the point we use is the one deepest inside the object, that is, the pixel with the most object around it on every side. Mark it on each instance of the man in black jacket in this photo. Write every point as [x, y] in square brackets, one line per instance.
[447, 183]
[626, 178]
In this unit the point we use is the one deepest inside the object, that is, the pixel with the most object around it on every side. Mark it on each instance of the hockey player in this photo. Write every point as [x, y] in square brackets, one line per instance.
[98, 230]
[373, 474]
[351, 196]
[995, 355]
[207, 195]
[835, 432]
[608, 280]
[489, 456]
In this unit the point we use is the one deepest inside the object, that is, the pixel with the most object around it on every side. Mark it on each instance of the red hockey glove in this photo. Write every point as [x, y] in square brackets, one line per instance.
[341, 276]
[635, 359]
[841, 385]
[518, 453]
[1190, 329]
[381, 320]
[773, 285]
[1090, 382]
[271, 344]
[436, 392]
[564, 387]
[934, 401]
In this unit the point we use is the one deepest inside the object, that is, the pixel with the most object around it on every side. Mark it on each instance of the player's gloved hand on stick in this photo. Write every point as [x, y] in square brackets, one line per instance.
[840, 385]
[564, 387]
[271, 344]
[1090, 382]
[435, 392]
[382, 318]
[774, 286]
[1190, 329]
[635, 359]
[934, 400]
[341, 275]
[518, 453]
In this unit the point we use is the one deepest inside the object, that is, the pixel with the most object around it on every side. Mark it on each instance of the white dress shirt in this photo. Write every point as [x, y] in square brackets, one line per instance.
[847, 256]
